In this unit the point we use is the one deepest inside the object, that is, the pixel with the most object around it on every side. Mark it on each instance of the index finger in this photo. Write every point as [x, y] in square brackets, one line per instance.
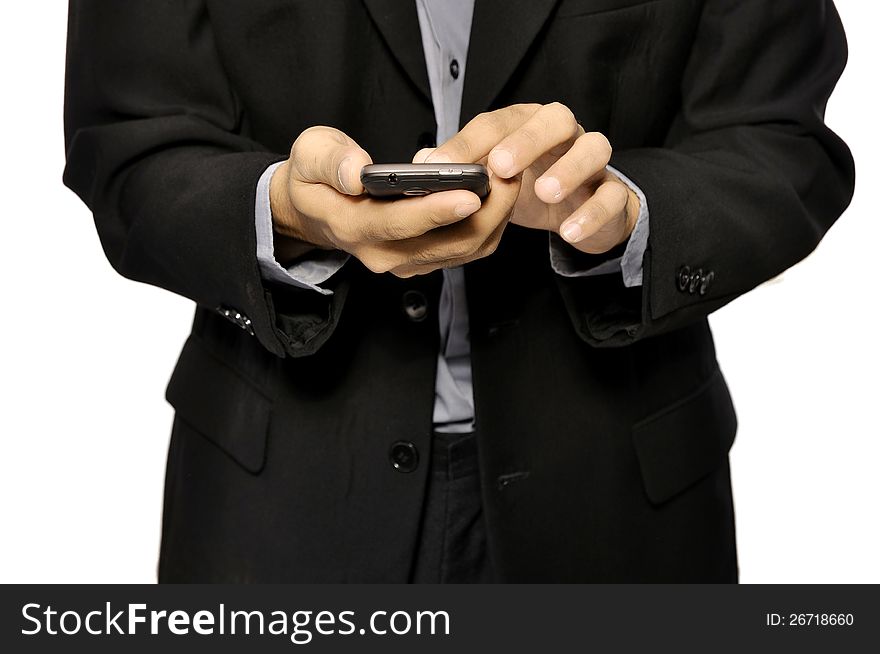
[553, 125]
[480, 135]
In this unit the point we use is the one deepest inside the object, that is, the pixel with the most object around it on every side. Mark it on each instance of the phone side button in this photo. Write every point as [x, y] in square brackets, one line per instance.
[416, 191]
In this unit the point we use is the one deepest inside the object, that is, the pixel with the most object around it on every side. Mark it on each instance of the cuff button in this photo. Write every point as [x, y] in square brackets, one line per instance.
[706, 282]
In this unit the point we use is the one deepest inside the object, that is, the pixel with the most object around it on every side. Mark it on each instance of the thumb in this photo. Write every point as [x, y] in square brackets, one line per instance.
[325, 155]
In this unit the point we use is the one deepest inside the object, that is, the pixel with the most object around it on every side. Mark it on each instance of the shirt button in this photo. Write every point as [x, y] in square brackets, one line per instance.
[404, 456]
[453, 68]
[415, 305]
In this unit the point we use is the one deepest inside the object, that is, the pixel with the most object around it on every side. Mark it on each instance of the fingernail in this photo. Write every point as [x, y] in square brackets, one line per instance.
[341, 177]
[502, 161]
[572, 232]
[465, 209]
[550, 187]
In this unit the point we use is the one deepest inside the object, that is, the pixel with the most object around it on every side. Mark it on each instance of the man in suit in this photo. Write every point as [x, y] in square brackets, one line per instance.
[522, 388]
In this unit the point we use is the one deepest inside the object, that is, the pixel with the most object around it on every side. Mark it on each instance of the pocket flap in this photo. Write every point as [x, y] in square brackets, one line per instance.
[221, 405]
[574, 8]
[685, 441]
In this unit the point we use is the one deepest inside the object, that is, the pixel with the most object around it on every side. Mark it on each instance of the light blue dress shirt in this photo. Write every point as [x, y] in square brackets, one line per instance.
[445, 27]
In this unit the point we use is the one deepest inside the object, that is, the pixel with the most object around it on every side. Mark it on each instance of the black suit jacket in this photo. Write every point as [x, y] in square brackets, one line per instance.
[604, 422]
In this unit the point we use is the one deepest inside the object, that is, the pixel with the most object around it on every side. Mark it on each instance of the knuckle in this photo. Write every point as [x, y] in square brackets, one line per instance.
[488, 248]
[435, 219]
[619, 194]
[377, 263]
[392, 231]
[465, 151]
[474, 248]
[342, 233]
[307, 137]
[371, 264]
[424, 257]
[370, 231]
[458, 147]
[485, 118]
[307, 161]
[532, 134]
[574, 167]
[599, 213]
[528, 108]
[312, 130]
[435, 254]
[299, 146]
[563, 116]
[489, 120]
[602, 144]
[466, 249]
[301, 140]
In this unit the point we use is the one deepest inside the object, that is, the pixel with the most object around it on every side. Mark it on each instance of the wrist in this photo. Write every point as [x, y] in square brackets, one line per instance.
[280, 204]
[633, 209]
[291, 237]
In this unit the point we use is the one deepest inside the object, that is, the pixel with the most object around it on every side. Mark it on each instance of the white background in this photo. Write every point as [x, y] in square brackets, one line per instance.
[86, 355]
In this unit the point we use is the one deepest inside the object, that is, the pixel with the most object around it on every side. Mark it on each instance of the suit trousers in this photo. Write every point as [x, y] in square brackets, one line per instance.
[452, 535]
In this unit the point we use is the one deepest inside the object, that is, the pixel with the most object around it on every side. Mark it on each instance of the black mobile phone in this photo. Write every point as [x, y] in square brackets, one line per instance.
[396, 180]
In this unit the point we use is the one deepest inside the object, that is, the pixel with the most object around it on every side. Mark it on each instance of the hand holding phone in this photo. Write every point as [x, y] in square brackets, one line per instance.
[402, 180]
[317, 199]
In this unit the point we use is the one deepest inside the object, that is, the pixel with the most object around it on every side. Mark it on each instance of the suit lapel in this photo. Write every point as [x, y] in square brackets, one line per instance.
[501, 33]
[398, 21]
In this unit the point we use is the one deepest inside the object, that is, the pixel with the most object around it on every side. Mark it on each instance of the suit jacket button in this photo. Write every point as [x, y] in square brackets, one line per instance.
[684, 278]
[415, 305]
[404, 456]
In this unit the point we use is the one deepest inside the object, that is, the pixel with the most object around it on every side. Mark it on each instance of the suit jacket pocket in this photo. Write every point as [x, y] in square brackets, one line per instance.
[572, 8]
[221, 405]
[685, 441]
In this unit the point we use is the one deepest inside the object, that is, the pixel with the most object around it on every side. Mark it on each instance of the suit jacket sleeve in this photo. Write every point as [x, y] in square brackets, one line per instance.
[154, 148]
[749, 177]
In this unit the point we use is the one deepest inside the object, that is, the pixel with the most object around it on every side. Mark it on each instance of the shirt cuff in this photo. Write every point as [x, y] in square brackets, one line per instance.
[308, 272]
[564, 261]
